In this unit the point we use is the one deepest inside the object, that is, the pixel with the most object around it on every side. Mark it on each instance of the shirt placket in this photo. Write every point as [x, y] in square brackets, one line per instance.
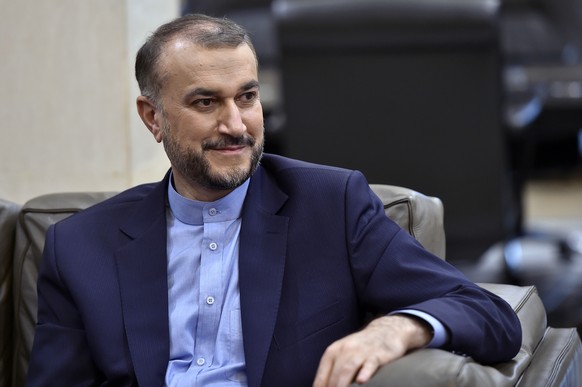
[211, 295]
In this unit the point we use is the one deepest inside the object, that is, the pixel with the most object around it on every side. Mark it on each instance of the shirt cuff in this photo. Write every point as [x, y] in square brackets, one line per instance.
[440, 335]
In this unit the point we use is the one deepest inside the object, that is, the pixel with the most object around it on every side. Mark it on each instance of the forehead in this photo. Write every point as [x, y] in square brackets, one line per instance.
[183, 64]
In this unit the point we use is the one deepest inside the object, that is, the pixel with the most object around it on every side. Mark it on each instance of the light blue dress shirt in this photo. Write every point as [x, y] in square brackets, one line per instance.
[206, 347]
[440, 336]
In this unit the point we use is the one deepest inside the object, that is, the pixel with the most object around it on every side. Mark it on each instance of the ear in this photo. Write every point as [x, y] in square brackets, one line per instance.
[151, 117]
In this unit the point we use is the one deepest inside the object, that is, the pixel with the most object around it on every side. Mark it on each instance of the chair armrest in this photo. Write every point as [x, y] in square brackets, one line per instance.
[557, 361]
[549, 355]
[438, 368]
[530, 310]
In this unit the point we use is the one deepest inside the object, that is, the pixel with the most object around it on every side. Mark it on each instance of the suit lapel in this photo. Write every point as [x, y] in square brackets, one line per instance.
[263, 243]
[142, 271]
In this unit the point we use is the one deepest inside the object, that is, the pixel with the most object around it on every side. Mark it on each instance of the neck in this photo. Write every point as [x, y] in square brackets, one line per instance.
[195, 191]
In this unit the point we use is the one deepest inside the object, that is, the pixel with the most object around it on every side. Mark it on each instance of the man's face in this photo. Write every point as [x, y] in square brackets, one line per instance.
[212, 120]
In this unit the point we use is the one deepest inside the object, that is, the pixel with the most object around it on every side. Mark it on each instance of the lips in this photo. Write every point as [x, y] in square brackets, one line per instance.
[229, 143]
[230, 148]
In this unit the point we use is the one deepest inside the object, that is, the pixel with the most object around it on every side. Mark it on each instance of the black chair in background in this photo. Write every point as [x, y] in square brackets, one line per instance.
[542, 50]
[541, 44]
[413, 84]
[254, 15]
[410, 93]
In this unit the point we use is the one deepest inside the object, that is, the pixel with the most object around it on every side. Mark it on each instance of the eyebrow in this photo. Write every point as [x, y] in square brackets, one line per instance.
[204, 92]
[250, 85]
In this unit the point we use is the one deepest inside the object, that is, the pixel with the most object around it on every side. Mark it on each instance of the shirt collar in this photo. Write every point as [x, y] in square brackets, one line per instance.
[195, 212]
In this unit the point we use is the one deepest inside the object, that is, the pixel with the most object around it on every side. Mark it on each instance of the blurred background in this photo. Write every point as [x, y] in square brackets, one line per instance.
[478, 102]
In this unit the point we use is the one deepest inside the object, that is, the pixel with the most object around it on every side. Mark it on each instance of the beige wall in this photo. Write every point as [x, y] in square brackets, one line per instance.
[67, 92]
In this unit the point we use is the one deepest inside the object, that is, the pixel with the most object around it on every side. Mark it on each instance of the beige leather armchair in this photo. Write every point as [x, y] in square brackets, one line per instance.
[8, 217]
[548, 356]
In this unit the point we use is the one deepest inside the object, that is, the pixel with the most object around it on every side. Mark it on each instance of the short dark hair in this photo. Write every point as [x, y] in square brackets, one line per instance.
[202, 30]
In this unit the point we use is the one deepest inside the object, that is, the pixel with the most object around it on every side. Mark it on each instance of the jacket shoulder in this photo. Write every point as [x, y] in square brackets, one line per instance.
[305, 179]
[115, 207]
[288, 167]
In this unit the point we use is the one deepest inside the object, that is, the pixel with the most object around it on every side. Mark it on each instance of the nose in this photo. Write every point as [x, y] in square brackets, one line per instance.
[230, 120]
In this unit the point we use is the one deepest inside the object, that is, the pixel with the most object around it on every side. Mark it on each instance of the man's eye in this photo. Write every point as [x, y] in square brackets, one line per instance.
[249, 96]
[205, 102]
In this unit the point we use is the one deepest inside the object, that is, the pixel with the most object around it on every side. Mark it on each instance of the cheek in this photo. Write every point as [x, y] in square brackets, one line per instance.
[193, 128]
[254, 122]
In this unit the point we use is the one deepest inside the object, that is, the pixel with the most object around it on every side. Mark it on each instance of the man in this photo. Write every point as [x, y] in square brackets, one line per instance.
[238, 268]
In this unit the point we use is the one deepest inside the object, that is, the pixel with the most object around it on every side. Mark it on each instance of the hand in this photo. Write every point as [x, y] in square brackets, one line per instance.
[360, 354]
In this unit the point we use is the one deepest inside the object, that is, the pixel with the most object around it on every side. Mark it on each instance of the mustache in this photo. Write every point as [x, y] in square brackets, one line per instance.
[226, 141]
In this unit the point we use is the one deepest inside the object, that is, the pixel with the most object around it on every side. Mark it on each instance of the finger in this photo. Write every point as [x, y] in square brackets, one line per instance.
[345, 369]
[368, 369]
[324, 370]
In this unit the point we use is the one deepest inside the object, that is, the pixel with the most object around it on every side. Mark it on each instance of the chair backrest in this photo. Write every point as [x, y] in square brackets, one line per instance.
[8, 217]
[35, 218]
[419, 215]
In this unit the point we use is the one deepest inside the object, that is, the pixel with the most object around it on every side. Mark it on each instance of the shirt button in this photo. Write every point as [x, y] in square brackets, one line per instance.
[210, 300]
[212, 211]
[200, 361]
[213, 246]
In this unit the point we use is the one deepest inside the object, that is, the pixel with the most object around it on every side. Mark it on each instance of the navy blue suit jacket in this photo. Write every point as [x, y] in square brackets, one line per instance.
[317, 254]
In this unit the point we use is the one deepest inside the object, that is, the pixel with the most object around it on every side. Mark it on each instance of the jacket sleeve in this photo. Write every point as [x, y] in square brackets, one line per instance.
[393, 271]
